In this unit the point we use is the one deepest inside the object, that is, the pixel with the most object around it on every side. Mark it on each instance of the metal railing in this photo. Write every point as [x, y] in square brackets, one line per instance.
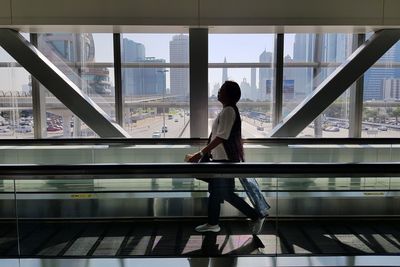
[200, 170]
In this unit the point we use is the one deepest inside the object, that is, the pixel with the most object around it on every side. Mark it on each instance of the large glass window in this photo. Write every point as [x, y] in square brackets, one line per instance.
[381, 106]
[87, 60]
[155, 85]
[309, 60]
[246, 59]
[16, 117]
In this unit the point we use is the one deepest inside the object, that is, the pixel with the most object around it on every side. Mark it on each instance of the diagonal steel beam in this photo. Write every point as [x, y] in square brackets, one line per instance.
[337, 83]
[59, 84]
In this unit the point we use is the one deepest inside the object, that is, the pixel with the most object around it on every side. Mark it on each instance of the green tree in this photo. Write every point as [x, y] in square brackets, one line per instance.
[371, 113]
[396, 114]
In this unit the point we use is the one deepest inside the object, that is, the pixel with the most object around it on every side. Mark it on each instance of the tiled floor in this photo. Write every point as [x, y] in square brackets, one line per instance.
[177, 238]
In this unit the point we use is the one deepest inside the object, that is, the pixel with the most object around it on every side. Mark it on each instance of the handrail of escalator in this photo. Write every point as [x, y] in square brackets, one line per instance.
[193, 141]
[201, 170]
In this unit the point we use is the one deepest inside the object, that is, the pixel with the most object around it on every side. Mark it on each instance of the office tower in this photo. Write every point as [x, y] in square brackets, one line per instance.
[338, 46]
[374, 78]
[253, 82]
[264, 74]
[224, 73]
[154, 81]
[141, 81]
[246, 90]
[132, 78]
[215, 89]
[334, 48]
[391, 89]
[179, 53]
[303, 52]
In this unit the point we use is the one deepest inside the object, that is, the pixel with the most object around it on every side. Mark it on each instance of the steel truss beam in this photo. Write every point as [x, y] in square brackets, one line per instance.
[337, 83]
[59, 84]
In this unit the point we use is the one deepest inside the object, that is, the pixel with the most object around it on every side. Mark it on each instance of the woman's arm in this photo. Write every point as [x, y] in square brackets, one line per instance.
[207, 149]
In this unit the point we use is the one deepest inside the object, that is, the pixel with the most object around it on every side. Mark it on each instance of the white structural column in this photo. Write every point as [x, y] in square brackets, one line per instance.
[198, 58]
[59, 84]
[337, 83]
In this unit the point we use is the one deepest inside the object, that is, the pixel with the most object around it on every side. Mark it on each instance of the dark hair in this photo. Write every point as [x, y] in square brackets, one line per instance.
[233, 91]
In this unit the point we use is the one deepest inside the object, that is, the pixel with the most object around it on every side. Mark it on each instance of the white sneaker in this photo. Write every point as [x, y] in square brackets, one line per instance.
[257, 226]
[208, 228]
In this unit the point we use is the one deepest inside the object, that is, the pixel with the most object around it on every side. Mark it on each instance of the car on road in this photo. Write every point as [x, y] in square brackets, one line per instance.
[4, 130]
[176, 120]
[364, 128]
[382, 128]
[51, 128]
[331, 129]
[164, 129]
[156, 135]
[259, 128]
[23, 129]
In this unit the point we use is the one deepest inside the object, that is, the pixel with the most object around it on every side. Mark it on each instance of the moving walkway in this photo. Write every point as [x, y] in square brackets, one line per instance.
[95, 200]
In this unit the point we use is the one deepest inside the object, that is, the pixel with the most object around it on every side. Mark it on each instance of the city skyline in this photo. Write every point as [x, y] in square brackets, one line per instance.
[221, 47]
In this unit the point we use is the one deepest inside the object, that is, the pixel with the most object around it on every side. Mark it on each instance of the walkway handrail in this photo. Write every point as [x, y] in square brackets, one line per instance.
[201, 170]
[195, 141]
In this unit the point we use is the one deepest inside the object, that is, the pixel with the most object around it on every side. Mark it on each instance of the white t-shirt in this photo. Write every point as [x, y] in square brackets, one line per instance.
[221, 128]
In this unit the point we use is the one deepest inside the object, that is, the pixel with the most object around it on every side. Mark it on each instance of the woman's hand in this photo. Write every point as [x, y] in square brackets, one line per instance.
[193, 157]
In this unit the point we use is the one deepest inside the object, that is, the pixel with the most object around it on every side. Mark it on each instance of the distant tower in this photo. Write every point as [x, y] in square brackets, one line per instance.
[303, 48]
[253, 78]
[246, 89]
[215, 89]
[133, 83]
[374, 78]
[154, 80]
[265, 73]
[179, 53]
[224, 73]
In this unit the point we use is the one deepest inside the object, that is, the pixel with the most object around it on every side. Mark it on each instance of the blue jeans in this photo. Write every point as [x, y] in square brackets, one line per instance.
[223, 189]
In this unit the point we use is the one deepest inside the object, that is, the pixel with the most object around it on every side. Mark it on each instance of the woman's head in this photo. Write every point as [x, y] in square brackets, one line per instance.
[229, 93]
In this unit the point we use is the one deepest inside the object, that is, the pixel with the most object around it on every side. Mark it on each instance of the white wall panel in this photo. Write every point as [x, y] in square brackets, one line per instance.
[105, 12]
[291, 12]
[5, 12]
[392, 12]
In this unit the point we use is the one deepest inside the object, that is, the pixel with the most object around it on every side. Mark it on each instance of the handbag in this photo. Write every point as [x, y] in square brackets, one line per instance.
[255, 195]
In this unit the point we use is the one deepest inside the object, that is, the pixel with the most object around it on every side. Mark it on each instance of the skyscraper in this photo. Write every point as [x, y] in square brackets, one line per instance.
[391, 89]
[141, 81]
[246, 89]
[265, 73]
[179, 53]
[374, 78]
[303, 52]
[253, 78]
[154, 82]
[132, 77]
[224, 73]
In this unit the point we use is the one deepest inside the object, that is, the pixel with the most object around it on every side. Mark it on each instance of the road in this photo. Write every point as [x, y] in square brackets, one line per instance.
[146, 127]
